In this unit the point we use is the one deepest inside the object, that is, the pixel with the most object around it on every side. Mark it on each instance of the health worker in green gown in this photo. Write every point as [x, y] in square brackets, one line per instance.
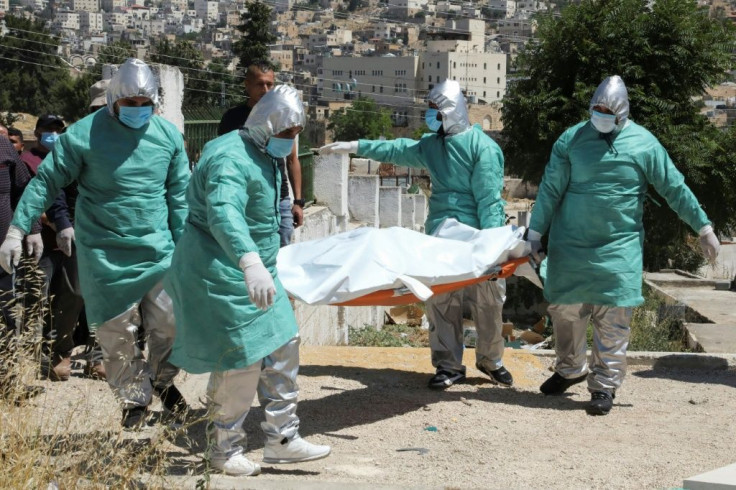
[590, 204]
[234, 318]
[132, 173]
[466, 168]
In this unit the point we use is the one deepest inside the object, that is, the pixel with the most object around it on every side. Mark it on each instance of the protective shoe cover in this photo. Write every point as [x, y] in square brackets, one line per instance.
[295, 450]
[450, 101]
[556, 384]
[601, 403]
[134, 78]
[500, 376]
[591, 202]
[237, 465]
[233, 210]
[445, 379]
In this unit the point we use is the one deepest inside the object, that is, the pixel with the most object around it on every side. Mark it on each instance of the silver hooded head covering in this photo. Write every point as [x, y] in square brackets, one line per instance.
[278, 110]
[449, 98]
[134, 78]
[612, 93]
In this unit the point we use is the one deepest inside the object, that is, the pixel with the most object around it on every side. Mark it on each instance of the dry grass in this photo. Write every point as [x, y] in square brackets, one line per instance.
[69, 442]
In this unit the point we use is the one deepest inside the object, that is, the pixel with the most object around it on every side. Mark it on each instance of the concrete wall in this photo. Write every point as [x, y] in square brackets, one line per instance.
[407, 211]
[363, 198]
[389, 206]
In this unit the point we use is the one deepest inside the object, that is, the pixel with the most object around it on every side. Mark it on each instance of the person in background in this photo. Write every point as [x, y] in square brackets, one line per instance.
[466, 167]
[58, 262]
[590, 204]
[15, 136]
[132, 173]
[234, 319]
[259, 79]
[14, 177]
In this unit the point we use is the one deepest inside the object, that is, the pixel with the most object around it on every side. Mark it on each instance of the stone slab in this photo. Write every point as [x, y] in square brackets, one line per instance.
[711, 337]
[720, 479]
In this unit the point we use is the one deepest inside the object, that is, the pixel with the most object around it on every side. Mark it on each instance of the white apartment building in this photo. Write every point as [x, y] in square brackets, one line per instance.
[90, 22]
[405, 8]
[86, 5]
[66, 20]
[206, 10]
[481, 75]
[119, 18]
[508, 7]
[388, 80]
[4, 5]
[110, 5]
[517, 27]
[180, 5]
[284, 57]
[337, 38]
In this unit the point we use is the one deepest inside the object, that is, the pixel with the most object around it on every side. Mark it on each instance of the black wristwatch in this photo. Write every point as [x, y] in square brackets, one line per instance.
[299, 202]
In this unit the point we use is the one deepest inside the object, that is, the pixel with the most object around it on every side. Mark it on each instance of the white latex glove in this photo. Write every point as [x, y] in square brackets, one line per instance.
[258, 280]
[64, 240]
[344, 147]
[12, 249]
[34, 246]
[709, 243]
[535, 242]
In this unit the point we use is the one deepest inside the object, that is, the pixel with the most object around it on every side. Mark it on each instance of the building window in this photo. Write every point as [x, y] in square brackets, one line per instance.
[498, 81]
[429, 78]
[484, 79]
[438, 65]
[499, 66]
[381, 88]
[374, 88]
[454, 64]
[498, 95]
[484, 93]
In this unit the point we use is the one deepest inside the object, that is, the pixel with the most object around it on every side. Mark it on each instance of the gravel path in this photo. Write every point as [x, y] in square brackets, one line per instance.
[372, 406]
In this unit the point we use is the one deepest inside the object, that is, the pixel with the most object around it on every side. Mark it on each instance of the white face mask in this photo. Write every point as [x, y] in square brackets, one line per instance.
[604, 123]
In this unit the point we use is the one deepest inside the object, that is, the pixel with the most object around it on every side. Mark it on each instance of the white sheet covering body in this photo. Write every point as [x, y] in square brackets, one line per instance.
[352, 264]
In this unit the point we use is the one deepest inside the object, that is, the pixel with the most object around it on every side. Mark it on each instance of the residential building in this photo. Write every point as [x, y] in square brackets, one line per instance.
[388, 80]
[4, 5]
[206, 10]
[404, 9]
[112, 5]
[66, 20]
[86, 5]
[281, 6]
[284, 57]
[90, 22]
[481, 75]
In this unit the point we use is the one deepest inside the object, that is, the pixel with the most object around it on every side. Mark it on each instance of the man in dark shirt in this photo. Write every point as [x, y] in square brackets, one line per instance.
[14, 177]
[59, 261]
[15, 136]
[259, 79]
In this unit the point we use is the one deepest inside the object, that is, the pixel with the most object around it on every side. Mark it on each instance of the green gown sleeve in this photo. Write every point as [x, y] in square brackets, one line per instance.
[402, 151]
[487, 185]
[226, 195]
[553, 187]
[670, 184]
[60, 168]
[177, 180]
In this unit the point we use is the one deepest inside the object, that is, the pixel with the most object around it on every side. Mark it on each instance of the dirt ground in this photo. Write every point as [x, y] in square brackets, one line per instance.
[387, 429]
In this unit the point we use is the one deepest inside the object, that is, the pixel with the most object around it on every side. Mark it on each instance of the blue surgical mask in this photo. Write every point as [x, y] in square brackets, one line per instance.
[430, 117]
[49, 139]
[135, 117]
[279, 147]
[603, 123]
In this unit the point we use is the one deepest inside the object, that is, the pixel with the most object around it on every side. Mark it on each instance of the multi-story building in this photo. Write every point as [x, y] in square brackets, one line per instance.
[90, 22]
[4, 5]
[506, 8]
[86, 5]
[207, 10]
[180, 5]
[392, 81]
[481, 75]
[112, 5]
[116, 18]
[516, 27]
[281, 6]
[405, 8]
[66, 20]
[284, 57]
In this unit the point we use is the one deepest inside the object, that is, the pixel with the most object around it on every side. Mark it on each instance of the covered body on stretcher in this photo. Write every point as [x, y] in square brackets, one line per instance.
[390, 266]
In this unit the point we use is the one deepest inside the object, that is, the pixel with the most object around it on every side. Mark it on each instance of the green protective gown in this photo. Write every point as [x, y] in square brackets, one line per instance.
[130, 210]
[591, 202]
[233, 209]
[466, 170]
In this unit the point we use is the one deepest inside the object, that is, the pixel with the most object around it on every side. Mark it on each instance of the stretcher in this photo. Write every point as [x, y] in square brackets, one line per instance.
[403, 296]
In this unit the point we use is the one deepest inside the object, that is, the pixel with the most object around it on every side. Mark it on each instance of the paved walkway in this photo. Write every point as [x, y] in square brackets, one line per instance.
[708, 307]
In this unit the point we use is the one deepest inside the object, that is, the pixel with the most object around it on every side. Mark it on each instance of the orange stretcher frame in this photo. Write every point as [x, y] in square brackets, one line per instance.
[396, 297]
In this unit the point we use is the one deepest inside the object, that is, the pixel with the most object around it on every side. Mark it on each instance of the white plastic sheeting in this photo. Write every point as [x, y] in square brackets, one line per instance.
[352, 264]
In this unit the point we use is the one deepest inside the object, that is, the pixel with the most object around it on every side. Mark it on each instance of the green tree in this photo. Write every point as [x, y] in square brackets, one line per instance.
[29, 68]
[667, 52]
[364, 119]
[256, 29]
